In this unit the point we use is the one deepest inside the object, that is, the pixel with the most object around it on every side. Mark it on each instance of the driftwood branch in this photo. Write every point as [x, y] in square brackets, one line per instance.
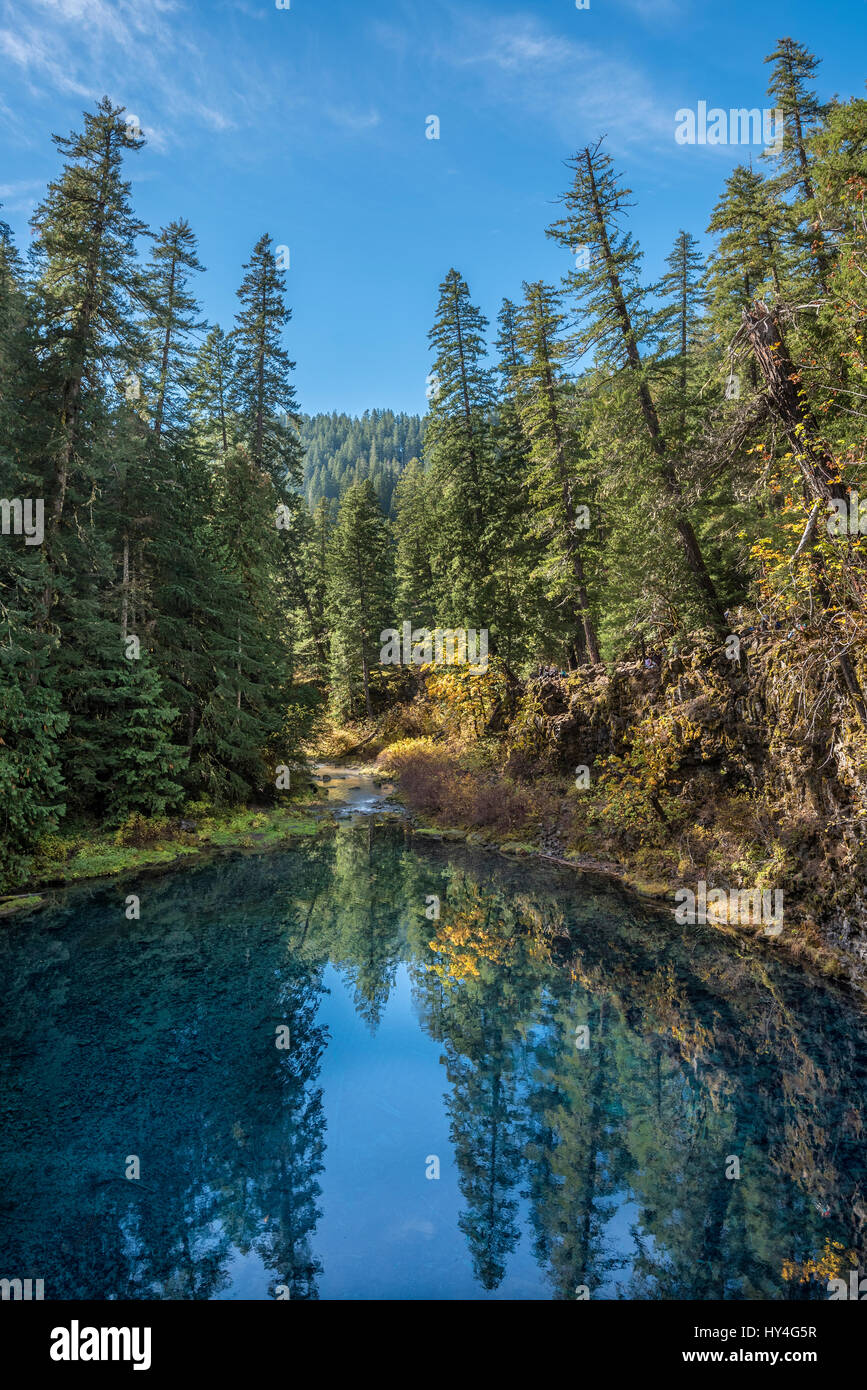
[809, 533]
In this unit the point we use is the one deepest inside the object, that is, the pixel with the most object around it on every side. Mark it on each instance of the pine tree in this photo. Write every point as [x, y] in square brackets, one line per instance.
[458, 452]
[791, 87]
[618, 318]
[86, 295]
[212, 390]
[264, 397]
[32, 722]
[678, 323]
[792, 74]
[172, 319]
[305, 552]
[243, 730]
[749, 260]
[559, 494]
[84, 248]
[518, 597]
[360, 595]
[147, 773]
[414, 533]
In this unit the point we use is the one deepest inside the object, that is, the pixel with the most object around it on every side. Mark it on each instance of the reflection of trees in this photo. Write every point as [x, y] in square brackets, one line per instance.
[361, 921]
[574, 1151]
[157, 1038]
[487, 962]
[697, 1053]
[181, 1070]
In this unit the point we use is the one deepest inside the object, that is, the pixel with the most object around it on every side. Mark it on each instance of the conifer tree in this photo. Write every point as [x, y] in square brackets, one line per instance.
[749, 260]
[172, 319]
[559, 493]
[792, 76]
[84, 247]
[243, 729]
[520, 617]
[791, 87]
[414, 534]
[458, 451]
[360, 595]
[212, 377]
[264, 397]
[86, 296]
[618, 318]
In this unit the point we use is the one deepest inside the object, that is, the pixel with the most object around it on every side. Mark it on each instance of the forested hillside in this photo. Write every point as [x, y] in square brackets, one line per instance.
[342, 449]
[626, 466]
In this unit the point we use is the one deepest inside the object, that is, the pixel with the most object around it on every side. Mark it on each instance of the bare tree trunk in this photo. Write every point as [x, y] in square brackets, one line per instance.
[124, 606]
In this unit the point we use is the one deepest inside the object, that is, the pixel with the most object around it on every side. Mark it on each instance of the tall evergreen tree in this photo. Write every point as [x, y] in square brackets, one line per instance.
[458, 451]
[84, 243]
[360, 595]
[414, 533]
[618, 319]
[791, 87]
[559, 493]
[212, 377]
[264, 397]
[172, 319]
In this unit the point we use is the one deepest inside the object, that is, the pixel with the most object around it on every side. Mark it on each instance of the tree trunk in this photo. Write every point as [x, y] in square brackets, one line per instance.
[71, 393]
[124, 606]
[164, 364]
[815, 463]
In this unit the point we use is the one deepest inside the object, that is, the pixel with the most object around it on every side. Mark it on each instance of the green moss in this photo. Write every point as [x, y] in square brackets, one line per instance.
[100, 859]
[103, 854]
[22, 903]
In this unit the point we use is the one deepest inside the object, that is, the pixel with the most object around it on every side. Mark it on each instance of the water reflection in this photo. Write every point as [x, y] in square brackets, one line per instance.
[585, 1072]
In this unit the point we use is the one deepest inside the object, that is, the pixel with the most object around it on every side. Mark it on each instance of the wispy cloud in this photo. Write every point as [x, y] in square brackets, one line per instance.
[352, 120]
[21, 196]
[569, 83]
[515, 62]
[146, 53]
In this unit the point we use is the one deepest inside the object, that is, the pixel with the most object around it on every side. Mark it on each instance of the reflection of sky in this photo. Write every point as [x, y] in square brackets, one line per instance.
[387, 1231]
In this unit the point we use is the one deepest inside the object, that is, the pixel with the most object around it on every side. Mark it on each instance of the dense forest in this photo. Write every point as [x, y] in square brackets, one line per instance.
[621, 468]
[343, 449]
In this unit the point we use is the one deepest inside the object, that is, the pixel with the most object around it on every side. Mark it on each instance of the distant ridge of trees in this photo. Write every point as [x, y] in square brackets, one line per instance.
[343, 449]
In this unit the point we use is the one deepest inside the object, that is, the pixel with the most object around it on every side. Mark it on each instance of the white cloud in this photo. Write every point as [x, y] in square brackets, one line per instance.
[141, 47]
[568, 83]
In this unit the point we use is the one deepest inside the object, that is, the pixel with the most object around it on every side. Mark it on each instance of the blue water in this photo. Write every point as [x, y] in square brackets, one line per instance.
[302, 1172]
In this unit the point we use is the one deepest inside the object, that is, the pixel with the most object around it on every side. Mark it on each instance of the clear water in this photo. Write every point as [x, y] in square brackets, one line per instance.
[303, 1171]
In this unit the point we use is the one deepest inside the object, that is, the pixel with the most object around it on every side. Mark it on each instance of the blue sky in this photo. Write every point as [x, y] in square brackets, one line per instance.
[309, 123]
